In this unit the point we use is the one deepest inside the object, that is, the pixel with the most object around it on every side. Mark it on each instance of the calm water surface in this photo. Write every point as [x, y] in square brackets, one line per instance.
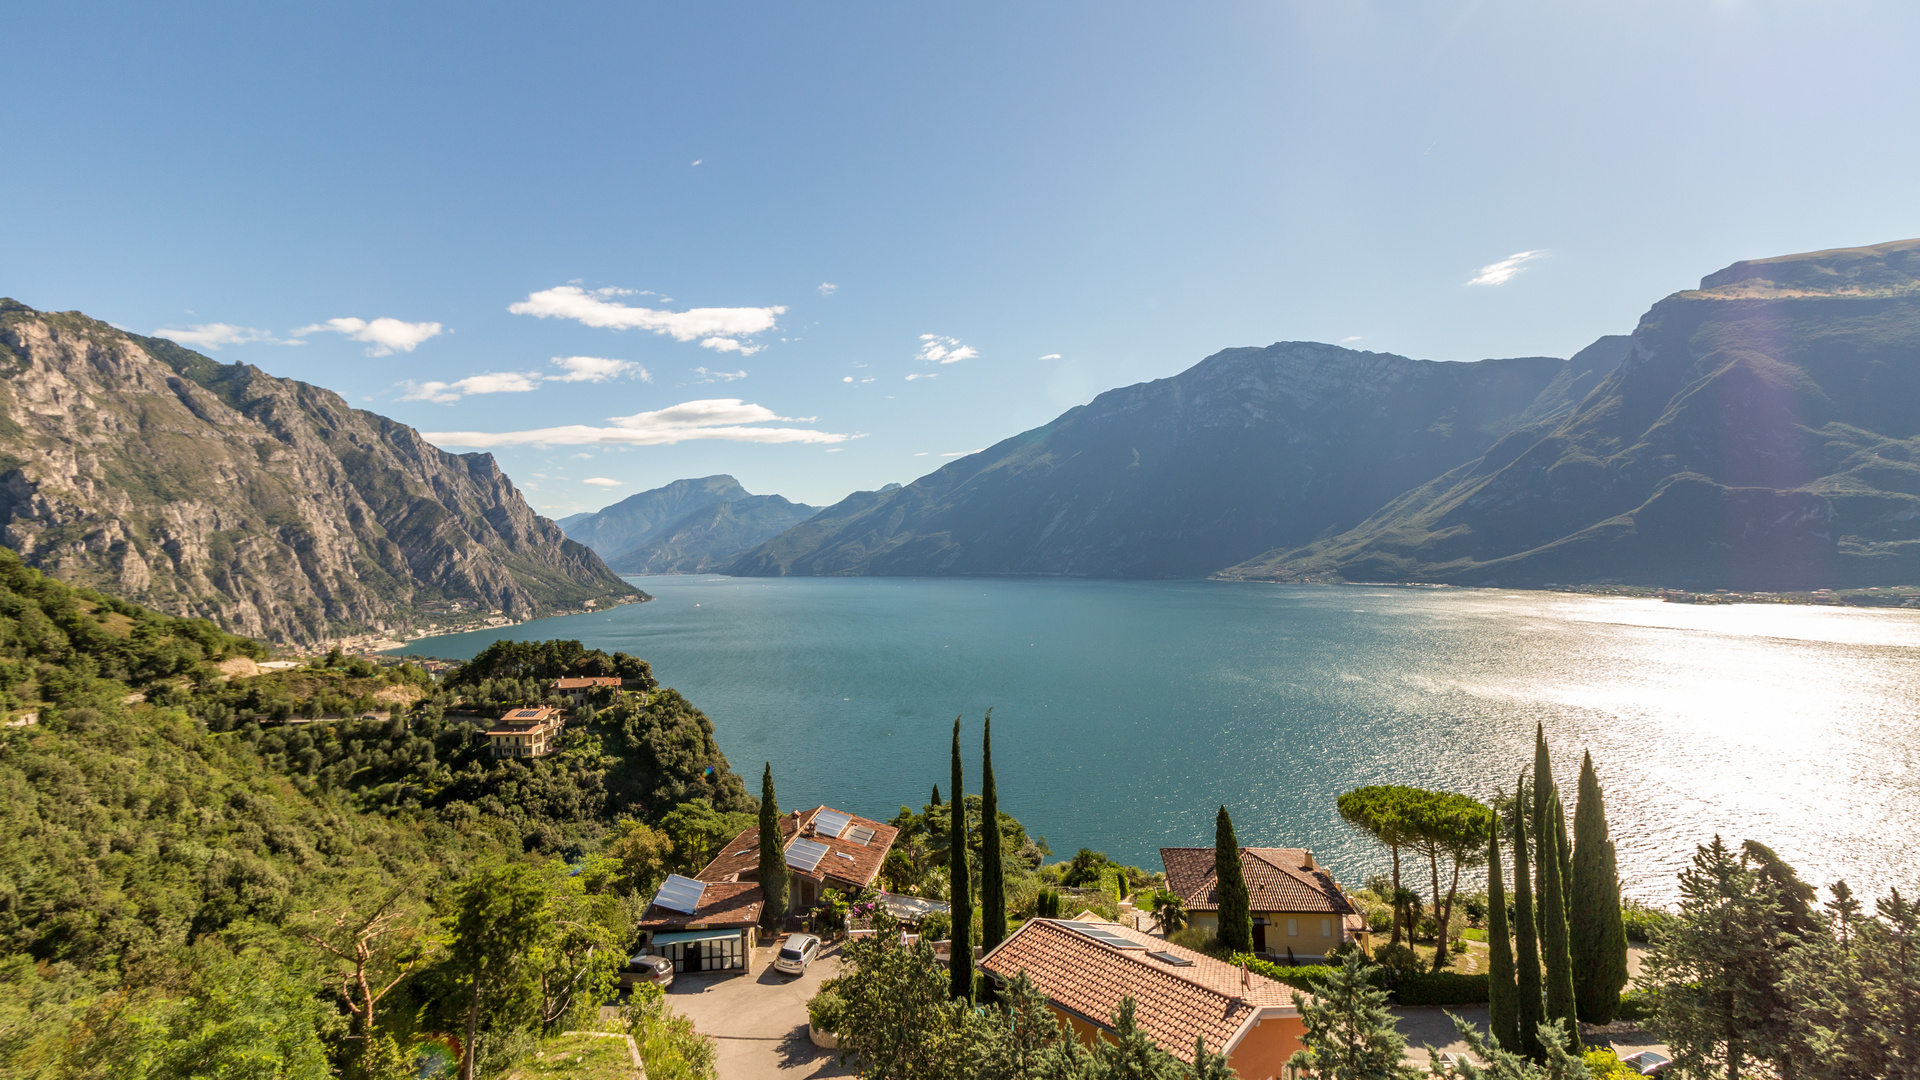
[1126, 712]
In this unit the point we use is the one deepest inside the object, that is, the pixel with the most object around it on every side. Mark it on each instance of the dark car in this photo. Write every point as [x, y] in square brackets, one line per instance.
[657, 970]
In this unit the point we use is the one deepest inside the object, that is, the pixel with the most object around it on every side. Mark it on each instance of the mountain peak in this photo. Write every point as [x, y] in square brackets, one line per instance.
[1879, 269]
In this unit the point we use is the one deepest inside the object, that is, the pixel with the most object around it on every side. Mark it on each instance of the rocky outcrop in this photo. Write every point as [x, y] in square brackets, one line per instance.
[1245, 451]
[270, 506]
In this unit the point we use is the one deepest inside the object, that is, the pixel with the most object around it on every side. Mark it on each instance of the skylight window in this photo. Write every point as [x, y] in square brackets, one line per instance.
[1169, 958]
[1101, 934]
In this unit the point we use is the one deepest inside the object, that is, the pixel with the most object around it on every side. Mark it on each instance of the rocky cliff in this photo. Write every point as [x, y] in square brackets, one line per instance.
[270, 506]
[1762, 432]
[1248, 450]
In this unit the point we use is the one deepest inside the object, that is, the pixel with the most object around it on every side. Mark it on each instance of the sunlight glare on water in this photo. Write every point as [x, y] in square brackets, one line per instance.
[1125, 712]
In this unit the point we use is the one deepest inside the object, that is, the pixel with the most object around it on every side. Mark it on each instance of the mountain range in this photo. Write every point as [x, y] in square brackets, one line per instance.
[686, 527]
[1758, 432]
[135, 466]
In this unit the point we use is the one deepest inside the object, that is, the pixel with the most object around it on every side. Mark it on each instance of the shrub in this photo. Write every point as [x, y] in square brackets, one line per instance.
[1635, 1005]
[1643, 920]
[1442, 988]
[669, 1047]
[1474, 933]
[1197, 938]
[1604, 1064]
[826, 1009]
[1398, 958]
[936, 927]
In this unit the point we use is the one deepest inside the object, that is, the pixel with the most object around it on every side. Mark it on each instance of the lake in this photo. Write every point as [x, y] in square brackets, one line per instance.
[1125, 713]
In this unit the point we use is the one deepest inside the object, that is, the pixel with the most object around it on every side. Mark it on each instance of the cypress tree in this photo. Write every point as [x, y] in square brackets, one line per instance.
[960, 966]
[773, 857]
[1566, 852]
[1526, 944]
[1236, 916]
[1503, 995]
[1556, 965]
[993, 894]
[1597, 937]
[936, 794]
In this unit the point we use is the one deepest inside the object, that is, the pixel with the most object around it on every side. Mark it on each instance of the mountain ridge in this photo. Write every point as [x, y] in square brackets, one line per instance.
[688, 526]
[1180, 476]
[1763, 431]
[136, 466]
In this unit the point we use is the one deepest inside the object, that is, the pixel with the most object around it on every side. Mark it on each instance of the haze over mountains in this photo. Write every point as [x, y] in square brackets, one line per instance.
[686, 527]
[1758, 432]
[146, 470]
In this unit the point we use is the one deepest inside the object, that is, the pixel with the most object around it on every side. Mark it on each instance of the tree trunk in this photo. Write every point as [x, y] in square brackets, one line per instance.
[1440, 953]
[473, 1038]
[1398, 908]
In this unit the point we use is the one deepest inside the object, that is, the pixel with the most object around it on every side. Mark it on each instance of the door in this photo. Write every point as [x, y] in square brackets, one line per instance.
[1259, 935]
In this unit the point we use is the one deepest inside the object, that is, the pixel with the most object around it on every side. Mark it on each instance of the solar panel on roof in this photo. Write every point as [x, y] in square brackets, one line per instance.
[1102, 935]
[861, 834]
[805, 855]
[832, 823]
[1169, 958]
[680, 894]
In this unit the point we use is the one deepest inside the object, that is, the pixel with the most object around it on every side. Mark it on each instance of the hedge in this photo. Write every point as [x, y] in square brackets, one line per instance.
[1443, 988]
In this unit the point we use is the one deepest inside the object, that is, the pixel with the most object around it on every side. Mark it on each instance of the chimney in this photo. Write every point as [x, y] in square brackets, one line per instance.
[1308, 863]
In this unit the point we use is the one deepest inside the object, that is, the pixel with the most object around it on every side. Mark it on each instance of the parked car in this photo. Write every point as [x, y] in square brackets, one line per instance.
[796, 953]
[1648, 1063]
[657, 970]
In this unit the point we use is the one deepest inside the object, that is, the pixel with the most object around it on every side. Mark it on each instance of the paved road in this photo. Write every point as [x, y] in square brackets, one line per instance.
[758, 1019]
[1423, 1027]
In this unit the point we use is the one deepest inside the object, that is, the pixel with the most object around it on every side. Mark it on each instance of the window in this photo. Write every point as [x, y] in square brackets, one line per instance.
[1293, 927]
[1326, 927]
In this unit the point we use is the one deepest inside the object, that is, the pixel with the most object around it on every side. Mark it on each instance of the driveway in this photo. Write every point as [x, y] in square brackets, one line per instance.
[758, 1019]
[1429, 1026]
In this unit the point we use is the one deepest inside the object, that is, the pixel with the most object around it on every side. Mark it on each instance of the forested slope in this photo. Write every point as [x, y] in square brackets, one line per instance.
[167, 864]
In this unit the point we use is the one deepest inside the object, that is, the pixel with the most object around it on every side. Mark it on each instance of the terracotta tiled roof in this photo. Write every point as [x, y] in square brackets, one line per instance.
[1278, 879]
[1173, 1003]
[724, 904]
[847, 861]
[585, 683]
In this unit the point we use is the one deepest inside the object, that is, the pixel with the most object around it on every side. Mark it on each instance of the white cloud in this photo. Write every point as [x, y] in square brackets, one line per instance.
[828, 288]
[597, 369]
[846, 378]
[214, 335]
[721, 344]
[718, 376]
[1503, 271]
[836, 449]
[713, 419]
[923, 375]
[719, 328]
[601, 481]
[493, 382]
[1344, 340]
[923, 453]
[944, 350]
[697, 161]
[1051, 356]
[387, 336]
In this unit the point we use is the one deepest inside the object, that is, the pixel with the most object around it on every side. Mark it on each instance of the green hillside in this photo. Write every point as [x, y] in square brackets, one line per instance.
[170, 847]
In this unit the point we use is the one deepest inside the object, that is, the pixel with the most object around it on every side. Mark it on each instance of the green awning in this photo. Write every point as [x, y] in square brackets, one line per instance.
[672, 937]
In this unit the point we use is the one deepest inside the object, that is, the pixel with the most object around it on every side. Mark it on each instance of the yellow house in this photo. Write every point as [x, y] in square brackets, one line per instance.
[1085, 968]
[1296, 903]
[525, 733]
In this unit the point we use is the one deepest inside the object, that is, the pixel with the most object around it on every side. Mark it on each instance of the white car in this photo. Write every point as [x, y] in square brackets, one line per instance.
[796, 953]
[1647, 1063]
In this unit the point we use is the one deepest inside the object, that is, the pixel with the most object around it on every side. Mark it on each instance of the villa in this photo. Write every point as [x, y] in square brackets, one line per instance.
[1298, 907]
[703, 926]
[1084, 967]
[575, 690]
[525, 733]
[825, 849]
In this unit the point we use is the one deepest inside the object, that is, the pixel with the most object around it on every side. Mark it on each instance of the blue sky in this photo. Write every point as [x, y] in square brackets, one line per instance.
[869, 235]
